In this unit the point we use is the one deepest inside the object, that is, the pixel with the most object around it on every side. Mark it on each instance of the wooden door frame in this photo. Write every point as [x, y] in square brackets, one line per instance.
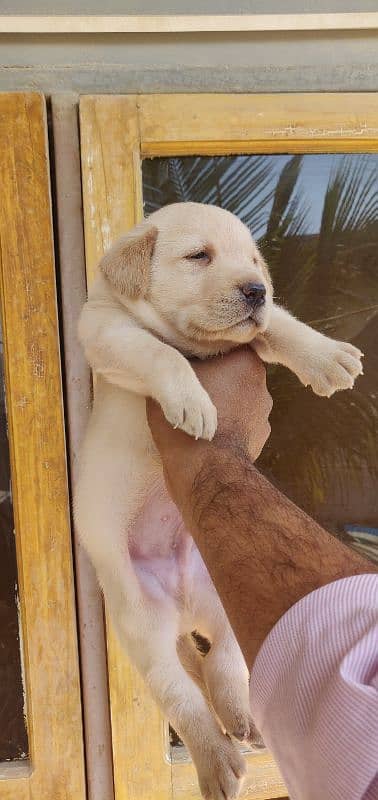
[77, 383]
[117, 132]
[55, 768]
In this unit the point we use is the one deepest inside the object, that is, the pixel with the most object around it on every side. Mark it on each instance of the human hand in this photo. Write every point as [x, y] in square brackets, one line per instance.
[237, 386]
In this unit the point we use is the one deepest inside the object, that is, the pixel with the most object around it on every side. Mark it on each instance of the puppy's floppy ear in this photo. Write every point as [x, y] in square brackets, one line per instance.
[127, 265]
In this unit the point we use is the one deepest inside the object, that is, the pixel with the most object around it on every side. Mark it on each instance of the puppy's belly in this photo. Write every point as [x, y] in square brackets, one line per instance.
[164, 555]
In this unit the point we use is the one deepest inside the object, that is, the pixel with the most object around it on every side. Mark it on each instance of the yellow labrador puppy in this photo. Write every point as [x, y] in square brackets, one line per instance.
[188, 281]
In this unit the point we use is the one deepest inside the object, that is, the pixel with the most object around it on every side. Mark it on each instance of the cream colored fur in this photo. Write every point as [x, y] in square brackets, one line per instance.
[151, 305]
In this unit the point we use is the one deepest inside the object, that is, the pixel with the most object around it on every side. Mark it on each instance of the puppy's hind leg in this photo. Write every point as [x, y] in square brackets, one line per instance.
[192, 661]
[148, 631]
[150, 638]
[224, 670]
[227, 680]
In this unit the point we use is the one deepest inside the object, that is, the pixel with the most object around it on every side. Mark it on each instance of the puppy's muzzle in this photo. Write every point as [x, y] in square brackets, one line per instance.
[254, 294]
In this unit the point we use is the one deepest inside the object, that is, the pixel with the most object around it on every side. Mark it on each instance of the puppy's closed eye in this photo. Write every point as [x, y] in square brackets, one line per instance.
[200, 255]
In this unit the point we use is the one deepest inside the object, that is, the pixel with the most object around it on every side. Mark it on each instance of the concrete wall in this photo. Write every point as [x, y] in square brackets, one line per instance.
[261, 62]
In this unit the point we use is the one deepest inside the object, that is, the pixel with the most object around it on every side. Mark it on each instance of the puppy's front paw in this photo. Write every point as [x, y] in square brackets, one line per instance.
[189, 407]
[332, 366]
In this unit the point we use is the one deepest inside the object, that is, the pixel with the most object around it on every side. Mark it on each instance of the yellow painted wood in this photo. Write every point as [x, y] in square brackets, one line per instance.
[111, 173]
[37, 447]
[116, 133]
[184, 23]
[112, 198]
[182, 124]
[255, 146]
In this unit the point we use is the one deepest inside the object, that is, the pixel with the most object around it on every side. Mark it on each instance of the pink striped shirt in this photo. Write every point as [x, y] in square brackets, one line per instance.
[314, 692]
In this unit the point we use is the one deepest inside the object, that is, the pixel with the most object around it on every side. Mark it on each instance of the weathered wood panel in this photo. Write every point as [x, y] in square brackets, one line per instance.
[39, 480]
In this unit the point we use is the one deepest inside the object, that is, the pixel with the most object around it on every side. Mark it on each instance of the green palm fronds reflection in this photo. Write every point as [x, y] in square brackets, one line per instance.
[323, 453]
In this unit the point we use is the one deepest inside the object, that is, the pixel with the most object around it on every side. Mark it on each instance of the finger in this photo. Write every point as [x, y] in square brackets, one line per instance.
[160, 428]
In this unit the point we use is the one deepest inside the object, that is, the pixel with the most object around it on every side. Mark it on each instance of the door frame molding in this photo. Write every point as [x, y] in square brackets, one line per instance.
[55, 767]
[117, 132]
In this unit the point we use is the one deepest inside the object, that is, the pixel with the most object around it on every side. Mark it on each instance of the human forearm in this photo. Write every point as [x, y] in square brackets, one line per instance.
[312, 679]
[263, 553]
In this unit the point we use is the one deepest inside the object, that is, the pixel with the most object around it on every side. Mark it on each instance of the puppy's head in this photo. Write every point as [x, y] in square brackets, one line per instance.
[199, 269]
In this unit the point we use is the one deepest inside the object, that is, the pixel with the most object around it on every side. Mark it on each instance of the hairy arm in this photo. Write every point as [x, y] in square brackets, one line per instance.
[263, 553]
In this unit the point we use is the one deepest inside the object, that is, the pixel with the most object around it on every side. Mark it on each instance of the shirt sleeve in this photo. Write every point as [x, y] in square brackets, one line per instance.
[314, 692]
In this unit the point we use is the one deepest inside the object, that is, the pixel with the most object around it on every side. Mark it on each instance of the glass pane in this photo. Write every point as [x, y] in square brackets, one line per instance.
[13, 736]
[316, 220]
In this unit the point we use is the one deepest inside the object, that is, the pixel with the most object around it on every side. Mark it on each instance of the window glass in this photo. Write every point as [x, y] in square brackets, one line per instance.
[316, 220]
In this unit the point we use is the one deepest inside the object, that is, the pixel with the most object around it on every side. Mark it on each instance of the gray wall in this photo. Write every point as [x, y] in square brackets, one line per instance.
[336, 61]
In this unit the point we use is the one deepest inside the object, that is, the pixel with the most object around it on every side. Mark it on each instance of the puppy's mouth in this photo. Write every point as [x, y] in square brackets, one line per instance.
[248, 326]
[254, 318]
[223, 320]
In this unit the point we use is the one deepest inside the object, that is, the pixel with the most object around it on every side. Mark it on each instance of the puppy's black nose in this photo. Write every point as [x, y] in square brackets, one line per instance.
[254, 293]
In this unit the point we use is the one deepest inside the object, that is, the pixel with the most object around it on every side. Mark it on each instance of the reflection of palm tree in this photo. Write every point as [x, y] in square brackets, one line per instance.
[242, 184]
[350, 204]
[322, 266]
[329, 278]
[287, 216]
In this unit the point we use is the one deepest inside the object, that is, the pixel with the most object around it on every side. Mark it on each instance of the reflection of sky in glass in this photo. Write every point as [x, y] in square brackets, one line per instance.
[311, 186]
[247, 184]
